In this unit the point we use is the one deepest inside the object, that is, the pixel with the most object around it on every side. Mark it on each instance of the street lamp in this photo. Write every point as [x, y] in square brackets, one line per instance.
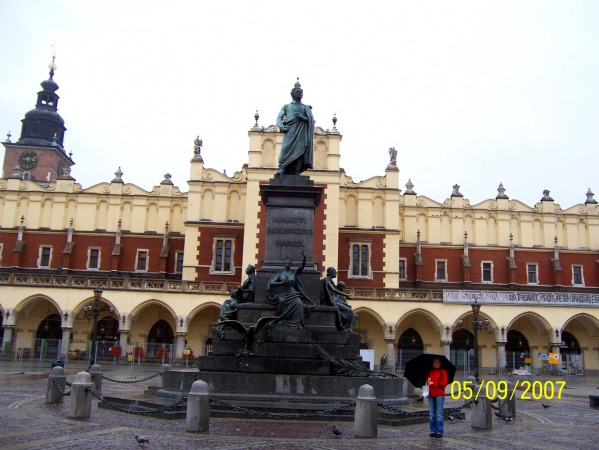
[477, 325]
[94, 312]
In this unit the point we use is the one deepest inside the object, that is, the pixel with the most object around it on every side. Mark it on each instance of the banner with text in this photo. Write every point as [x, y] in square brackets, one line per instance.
[521, 298]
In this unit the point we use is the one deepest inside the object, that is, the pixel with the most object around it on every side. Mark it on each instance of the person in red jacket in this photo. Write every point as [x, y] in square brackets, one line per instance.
[436, 378]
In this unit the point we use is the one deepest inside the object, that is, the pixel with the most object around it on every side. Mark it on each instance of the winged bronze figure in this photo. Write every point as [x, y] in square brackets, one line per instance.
[249, 334]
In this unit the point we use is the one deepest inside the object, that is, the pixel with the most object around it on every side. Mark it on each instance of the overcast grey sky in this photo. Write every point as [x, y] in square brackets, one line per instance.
[473, 93]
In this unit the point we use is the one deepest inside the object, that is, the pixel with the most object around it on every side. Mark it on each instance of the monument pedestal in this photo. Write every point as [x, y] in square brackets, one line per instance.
[283, 366]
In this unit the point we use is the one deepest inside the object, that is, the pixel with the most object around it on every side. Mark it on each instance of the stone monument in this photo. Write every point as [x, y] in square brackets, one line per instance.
[286, 344]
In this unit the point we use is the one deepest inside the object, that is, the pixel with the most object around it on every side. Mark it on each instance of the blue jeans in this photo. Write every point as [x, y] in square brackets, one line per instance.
[435, 408]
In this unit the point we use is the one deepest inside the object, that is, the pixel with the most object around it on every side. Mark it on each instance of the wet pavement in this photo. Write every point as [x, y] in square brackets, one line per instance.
[26, 422]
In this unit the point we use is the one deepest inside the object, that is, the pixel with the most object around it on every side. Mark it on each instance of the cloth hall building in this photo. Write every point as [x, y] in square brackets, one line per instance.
[165, 259]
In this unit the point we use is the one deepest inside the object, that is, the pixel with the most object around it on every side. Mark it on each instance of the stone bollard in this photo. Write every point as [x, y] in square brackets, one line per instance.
[508, 408]
[80, 405]
[52, 394]
[481, 415]
[197, 419]
[366, 419]
[95, 372]
[165, 368]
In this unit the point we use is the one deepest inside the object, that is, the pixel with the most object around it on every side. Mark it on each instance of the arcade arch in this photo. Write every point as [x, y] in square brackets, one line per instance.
[199, 327]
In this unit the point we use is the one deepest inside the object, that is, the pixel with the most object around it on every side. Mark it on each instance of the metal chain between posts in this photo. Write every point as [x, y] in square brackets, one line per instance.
[422, 413]
[139, 413]
[501, 405]
[60, 391]
[283, 416]
[131, 382]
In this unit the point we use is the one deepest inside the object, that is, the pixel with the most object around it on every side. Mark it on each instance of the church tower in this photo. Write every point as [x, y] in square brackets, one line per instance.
[39, 154]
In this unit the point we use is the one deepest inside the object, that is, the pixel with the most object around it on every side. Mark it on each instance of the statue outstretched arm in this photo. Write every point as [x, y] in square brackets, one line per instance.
[301, 268]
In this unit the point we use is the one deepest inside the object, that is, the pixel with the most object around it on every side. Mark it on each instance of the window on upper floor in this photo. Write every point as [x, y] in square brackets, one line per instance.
[1, 254]
[93, 258]
[222, 254]
[577, 277]
[532, 271]
[141, 260]
[487, 271]
[178, 262]
[402, 268]
[360, 252]
[441, 269]
[45, 257]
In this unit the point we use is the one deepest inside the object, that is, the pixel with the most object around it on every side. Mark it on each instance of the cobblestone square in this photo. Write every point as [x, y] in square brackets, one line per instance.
[28, 423]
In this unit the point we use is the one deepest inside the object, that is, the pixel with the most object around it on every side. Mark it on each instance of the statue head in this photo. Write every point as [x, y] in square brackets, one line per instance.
[332, 272]
[250, 269]
[287, 263]
[297, 94]
[341, 285]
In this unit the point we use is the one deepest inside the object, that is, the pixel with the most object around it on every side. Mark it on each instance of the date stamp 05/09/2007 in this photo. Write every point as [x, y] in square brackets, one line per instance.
[537, 390]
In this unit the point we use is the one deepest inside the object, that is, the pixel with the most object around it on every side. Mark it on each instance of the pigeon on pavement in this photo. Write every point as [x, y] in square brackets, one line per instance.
[545, 406]
[141, 440]
[336, 431]
[420, 400]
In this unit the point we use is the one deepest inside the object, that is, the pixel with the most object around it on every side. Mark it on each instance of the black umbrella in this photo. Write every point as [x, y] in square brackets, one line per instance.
[417, 367]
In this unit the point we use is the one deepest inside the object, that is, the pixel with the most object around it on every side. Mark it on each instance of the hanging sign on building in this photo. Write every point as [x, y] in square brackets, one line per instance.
[521, 298]
[554, 358]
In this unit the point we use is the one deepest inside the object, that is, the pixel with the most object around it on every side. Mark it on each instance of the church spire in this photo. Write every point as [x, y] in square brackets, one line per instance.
[43, 123]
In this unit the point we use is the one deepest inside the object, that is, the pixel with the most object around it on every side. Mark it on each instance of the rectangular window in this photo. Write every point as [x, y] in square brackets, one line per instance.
[0, 255]
[360, 260]
[487, 271]
[93, 259]
[533, 277]
[577, 278]
[178, 262]
[222, 257]
[141, 261]
[441, 270]
[402, 269]
[45, 256]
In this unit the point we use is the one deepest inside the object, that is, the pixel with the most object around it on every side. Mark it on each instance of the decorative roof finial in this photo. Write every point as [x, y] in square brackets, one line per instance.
[71, 154]
[456, 191]
[16, 172]
[256, 116]
[118, 176]
[409, 188]
[167, 179]
[52, 66]
[54, 143]
[8, 141]
[590, 198]
[334, 121]
[546, 197]
[501, 191]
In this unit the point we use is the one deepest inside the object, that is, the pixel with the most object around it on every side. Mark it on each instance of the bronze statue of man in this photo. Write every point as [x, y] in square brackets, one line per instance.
[296, 121]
